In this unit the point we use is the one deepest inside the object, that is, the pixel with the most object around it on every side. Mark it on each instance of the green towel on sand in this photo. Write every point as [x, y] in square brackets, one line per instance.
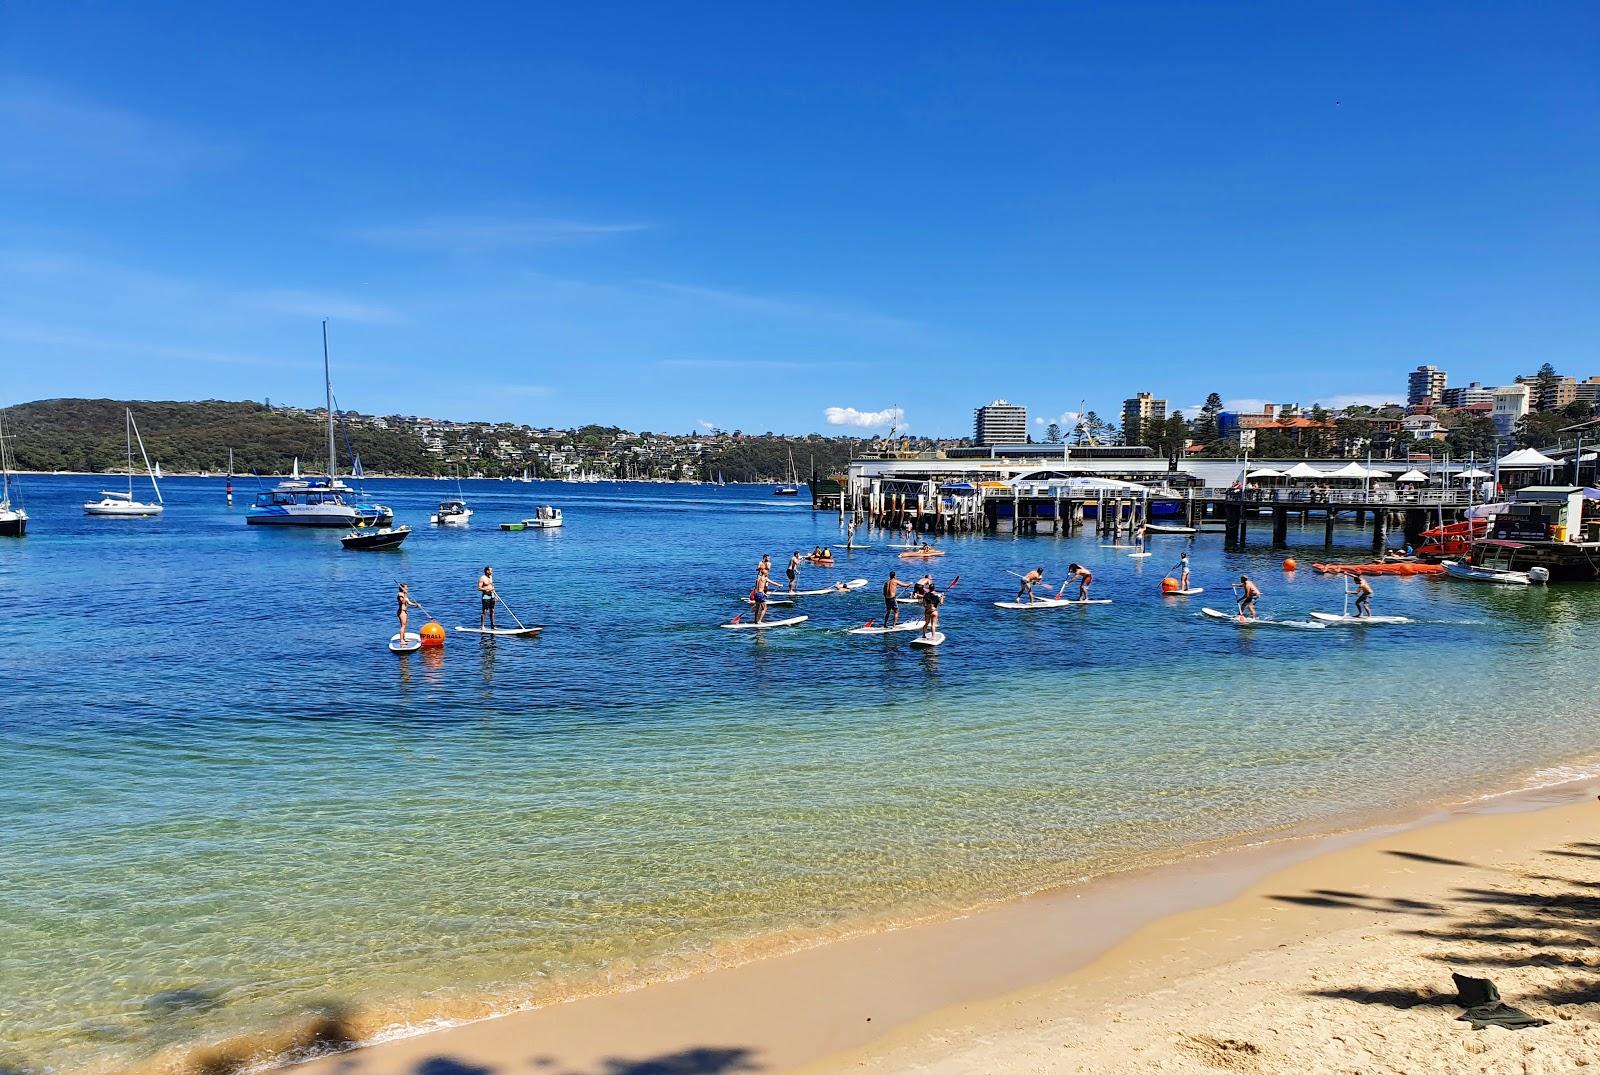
[1485, 1008]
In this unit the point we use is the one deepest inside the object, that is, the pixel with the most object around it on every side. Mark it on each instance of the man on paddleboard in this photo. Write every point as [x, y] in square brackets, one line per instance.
[758, 595]
[1028, 582]
[1084, 577]
[487, 599]
[891, 607]
[403, 600]
[1363, 595]
[1247, 598]
[793, 569]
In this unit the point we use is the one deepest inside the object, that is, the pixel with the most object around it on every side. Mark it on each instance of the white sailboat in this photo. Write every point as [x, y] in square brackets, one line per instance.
[114, 502]
[791, 486]
[13, 520]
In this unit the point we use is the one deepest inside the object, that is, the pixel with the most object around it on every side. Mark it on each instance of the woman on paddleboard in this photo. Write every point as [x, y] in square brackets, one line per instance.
[931, 600]
[404, 604]
[1183, 571]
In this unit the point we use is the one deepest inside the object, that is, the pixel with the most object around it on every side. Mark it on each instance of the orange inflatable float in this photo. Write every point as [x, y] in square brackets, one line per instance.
[1380, 569]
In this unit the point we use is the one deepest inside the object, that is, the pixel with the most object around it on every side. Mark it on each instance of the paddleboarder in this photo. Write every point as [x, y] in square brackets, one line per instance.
[793, 569]
[1247, 598]
[850, 536]
[1363, 592]
[931, 600]
[404, 605]
[758, 595]
[1183, 571]
[487, 599]
[1084, 577]
[891, 607]
[1028, 582]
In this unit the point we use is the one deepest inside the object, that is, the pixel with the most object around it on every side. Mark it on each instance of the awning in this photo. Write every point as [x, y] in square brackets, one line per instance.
[1526, 458]
[958, 487]
[1412, 476]
[1349, 470]
[1264, 472]
[1469, 475]
[1303, 470]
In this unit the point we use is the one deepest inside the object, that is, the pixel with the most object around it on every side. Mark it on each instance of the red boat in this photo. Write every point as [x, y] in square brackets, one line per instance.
[1453, 541]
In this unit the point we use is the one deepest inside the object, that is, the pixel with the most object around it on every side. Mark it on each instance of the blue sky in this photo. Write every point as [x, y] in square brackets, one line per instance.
[758, 216]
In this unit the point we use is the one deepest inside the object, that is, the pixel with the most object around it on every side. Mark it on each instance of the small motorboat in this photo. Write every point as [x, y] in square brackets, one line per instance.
[544, 517]
[1476, 573]
[372, 538]
[451, 513]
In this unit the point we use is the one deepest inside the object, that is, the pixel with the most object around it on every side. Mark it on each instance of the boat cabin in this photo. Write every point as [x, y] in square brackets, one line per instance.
[1548, 513]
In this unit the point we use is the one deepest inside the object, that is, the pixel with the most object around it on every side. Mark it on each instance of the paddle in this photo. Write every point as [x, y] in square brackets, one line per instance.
[502, 603]
[737, 618]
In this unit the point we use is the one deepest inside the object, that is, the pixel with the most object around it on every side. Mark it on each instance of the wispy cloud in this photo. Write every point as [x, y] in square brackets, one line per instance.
[52, 336]
[1359, 399]
[706, 424]
[803, 308]
[749, 364]
[850, 416]
[466, 235]
[62, 141]
[311, 304]
[1067, 420]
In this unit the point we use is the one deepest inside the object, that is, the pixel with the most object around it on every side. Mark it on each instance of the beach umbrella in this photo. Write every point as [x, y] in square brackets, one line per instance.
[1349, 470]
[1373, 472]
[1474, 474]
[1303, 470]
[1264, 472]
[1412, 476]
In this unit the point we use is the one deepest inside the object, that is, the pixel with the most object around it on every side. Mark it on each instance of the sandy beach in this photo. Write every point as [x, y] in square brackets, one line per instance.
[1325, 955]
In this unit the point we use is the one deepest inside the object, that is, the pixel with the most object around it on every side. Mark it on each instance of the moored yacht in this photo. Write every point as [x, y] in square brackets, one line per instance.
[13, 520]
[118, 503]
[325, 501]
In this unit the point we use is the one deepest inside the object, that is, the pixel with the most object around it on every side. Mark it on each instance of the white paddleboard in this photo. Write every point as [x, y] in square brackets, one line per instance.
[909, 625]
[411, 644]
[1358, 621]
[1119, 546]
[753, 626]
[1052, 602]
[1138, 555]
[1240, 621]
[771, 601]
[928, 641]
[852, 548]
[843, 587]
[501, 632]
[1190, 592]
[891, 546]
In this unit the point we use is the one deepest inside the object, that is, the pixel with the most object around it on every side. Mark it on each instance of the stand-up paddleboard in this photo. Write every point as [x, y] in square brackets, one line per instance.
[899, 628]
[1138, 555]
[852, 548]
[1119, 546]
[1190, 592]
[928, 641]
[895, 546]
[1162, 528]
[410, 644]
[771, 601]
[753, 626]
[1245, 621]
[1357, 621]
[501, 632]
[843, 587]
[1052, 602]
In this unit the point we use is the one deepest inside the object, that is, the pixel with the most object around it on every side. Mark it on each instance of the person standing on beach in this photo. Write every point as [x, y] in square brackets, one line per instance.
[487, 599]
[1084, 577]
[891, 607]
[1030, 580]
[1363, 592]
[1247, 598]
[403, 600]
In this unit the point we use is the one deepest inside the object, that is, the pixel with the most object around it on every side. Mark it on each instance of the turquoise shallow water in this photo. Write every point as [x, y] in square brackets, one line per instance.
[227, 802]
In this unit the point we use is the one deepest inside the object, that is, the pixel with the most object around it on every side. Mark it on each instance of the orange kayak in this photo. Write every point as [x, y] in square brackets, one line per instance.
[928, 555]
[1380, 569]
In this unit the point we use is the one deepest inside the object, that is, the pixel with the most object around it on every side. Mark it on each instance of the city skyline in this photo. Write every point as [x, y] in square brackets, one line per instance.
[691, 226]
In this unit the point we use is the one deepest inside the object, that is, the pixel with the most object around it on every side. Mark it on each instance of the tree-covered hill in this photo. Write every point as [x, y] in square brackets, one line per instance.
[87, 434]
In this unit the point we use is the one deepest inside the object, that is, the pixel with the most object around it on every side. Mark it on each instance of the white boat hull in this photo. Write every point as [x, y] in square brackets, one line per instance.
[125, 508]
[1468, 573]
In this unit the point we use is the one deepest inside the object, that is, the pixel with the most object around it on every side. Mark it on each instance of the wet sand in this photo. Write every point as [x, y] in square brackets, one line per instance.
[1321, 954]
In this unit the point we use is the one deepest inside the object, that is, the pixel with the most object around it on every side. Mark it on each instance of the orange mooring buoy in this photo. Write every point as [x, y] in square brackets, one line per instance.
[1289, 564]
[1169, 585]
[432, 634]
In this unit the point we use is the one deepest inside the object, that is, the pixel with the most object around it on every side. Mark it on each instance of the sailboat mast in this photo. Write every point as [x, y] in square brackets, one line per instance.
[327, 383]
[127, 429]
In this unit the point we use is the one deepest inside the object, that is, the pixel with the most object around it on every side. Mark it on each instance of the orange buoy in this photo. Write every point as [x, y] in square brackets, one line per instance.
[1289, 564]
[432, 633]
[1169, 585]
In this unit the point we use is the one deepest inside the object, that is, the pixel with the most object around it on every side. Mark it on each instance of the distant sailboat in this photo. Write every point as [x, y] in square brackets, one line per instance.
[122, 504]
[13, 520]
[791, 485]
